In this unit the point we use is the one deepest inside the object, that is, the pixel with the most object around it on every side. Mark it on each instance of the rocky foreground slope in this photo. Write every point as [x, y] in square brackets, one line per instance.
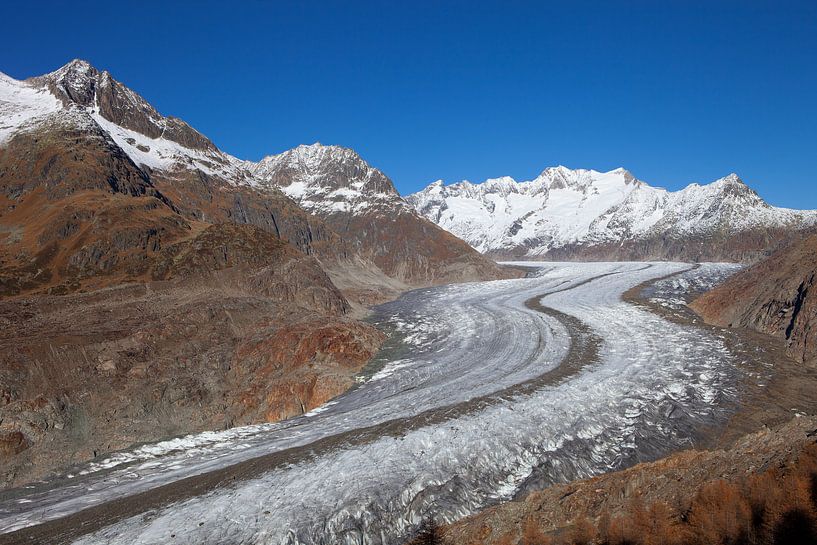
[151, 284]
[590, 215]
[690, 497]
[775, 296]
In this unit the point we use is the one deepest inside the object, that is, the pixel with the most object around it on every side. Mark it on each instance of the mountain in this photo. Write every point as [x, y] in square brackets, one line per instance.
[66, 166]
[776, 296]
[152, 285]
[585, 214]
[360, 203]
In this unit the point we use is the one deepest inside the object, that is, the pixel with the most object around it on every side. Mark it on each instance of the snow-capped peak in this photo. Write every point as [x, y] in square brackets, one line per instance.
[81, 96]
[73, 82]
[312, 158]
[328, 179]
[74, 69]
[75, 64]
[77, 95]
[566, 207]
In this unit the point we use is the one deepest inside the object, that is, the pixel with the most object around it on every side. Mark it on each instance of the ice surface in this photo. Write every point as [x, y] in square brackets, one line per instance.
[678, 290]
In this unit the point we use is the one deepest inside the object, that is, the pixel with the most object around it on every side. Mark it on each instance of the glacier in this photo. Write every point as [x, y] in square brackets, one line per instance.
[443, 428]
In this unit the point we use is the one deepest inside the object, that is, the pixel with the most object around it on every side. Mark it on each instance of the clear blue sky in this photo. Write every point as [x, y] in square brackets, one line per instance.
[675, 91]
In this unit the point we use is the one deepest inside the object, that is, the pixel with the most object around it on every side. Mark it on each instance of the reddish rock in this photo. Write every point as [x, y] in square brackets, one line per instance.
[12, 442]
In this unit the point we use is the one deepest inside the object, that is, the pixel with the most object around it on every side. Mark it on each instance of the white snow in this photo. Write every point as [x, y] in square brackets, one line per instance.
[559, 207]
[26, 104]
[328, 180]
[563, 207]
[22, 105]
[163, 154]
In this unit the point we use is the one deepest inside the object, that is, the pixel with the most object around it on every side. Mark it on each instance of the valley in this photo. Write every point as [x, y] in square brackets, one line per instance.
[465, 412]
[201, 348]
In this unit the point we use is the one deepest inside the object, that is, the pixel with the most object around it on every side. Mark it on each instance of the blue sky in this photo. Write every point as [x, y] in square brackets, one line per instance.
[675, 91]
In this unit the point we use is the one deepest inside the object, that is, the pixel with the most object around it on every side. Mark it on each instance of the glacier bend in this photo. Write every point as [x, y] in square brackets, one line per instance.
[655, 383]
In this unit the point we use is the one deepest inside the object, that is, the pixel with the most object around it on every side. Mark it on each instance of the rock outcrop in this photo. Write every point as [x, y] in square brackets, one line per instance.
[775, 296]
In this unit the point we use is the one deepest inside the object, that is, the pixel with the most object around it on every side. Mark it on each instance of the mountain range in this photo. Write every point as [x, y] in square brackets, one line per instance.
[120, 143]
[585, 214]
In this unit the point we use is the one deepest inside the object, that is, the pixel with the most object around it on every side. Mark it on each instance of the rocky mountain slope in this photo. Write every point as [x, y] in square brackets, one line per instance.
[775, 296]
[85, 198]
[235, 327]
[360, 203]
[167, 156]
[151, 284]
[585, 214]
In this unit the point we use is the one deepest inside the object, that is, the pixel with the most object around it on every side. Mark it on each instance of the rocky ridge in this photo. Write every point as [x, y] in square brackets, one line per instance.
[775, 296]
[360, 203]
[334, 185]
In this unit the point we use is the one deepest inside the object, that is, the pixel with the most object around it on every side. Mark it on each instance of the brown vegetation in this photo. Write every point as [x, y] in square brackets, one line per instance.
[777, 506]
[673, 496]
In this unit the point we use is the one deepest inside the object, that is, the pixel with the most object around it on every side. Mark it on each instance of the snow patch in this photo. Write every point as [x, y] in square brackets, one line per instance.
[22, 106]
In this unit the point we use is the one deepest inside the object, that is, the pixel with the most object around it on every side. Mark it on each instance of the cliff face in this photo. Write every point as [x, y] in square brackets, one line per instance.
[775, 296]
[79, 83]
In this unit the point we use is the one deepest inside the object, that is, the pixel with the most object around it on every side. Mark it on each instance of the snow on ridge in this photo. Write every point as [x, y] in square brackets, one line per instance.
[167, 155]
[322, 178]
[22, 105]
[318, 164]
[25, 105]
[329, 179]
[561, 207]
